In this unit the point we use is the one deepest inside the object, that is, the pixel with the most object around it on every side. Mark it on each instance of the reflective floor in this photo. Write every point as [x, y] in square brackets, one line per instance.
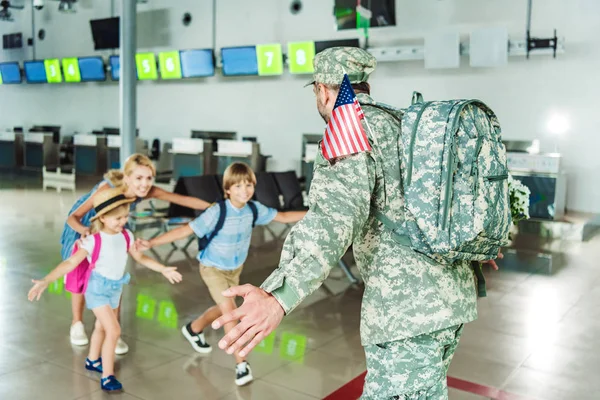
[536, 337]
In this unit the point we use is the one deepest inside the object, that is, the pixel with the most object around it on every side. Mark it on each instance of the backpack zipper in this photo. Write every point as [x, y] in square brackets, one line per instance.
[413, 135]
[452, 164]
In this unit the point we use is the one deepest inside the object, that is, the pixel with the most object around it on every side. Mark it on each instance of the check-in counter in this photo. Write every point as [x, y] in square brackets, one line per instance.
[230, 151]
[90, 153]
[11, 150]
[41, 149]
[188, 155]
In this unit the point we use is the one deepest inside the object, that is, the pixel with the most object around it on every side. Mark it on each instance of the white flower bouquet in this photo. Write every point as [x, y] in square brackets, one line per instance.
[519, 200]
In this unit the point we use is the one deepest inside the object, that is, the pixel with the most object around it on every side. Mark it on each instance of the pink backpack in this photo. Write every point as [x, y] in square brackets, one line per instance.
[76, 281]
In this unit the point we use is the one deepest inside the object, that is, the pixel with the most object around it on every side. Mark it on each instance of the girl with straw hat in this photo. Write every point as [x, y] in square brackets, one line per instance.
[136, 179]
[103, 256]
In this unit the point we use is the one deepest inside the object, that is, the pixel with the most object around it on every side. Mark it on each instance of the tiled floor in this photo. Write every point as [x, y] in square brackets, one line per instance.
[537, 334]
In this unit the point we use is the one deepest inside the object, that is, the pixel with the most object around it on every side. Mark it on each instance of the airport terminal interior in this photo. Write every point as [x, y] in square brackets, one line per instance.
[197, 85]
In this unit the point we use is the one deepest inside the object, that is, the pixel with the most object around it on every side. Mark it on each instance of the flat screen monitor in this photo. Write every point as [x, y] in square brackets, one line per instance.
[325, 44]
[383, 14]
[35, 72]
[105, 33]
[197, 63]
[239, 61]
[92, 69]
[10, 72]
[115, 67]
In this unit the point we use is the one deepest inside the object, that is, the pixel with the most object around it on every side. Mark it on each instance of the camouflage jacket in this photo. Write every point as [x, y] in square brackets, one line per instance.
[406, 293]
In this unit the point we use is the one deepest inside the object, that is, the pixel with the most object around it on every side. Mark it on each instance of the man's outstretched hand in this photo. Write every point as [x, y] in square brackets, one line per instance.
[259, 315]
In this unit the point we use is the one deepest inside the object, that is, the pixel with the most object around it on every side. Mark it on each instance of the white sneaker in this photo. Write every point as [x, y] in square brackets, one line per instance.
[77, 334]
[243, 374]
[122, 347]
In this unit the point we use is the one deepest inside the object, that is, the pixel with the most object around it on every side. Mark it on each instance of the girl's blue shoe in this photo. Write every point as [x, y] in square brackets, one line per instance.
[110, 384]
[95, 366]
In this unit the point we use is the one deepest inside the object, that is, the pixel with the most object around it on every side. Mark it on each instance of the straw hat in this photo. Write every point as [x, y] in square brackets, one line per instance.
[109, 199]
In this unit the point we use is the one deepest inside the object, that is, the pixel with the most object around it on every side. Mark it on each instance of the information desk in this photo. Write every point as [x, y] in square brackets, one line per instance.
[11, 150]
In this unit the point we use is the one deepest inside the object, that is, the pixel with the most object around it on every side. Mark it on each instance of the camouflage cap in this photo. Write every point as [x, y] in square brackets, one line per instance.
[331, 64]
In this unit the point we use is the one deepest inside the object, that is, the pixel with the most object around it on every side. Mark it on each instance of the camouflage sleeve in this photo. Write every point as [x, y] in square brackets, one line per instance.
[340, 200]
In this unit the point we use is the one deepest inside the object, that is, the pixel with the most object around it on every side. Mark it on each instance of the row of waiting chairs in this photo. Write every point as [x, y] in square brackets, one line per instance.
[278, 190]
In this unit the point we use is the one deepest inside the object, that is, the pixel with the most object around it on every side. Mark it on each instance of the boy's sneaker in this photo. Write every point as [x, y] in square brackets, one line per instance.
[243, 374]
[197, 340]
[77, 334]
[121, 348]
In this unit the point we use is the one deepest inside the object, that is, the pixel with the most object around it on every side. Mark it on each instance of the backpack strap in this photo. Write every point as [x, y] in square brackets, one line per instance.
[127, 239]
[96, 250]
[254, 210]
[220, 221]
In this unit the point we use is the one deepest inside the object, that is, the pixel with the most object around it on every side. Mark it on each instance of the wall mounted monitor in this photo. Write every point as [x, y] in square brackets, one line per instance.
[10, 73]
[115, 67]
[53, 71]
[146, 66]
[300, 57]
[92, 69]
[71, 71]
[12, 41]
[197, 63]
[346, 17]
[325, 44]
[35, 72]
[169, 65]
[239, 61]
[105, 33]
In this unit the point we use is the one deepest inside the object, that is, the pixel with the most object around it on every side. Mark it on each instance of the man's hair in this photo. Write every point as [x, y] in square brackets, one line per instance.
[236, 173]
[361, 87]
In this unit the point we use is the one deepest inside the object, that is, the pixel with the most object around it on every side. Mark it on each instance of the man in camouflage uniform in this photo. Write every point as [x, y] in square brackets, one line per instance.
[413, 308]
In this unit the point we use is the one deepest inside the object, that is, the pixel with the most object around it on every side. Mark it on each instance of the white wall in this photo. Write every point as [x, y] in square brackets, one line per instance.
[278, 110]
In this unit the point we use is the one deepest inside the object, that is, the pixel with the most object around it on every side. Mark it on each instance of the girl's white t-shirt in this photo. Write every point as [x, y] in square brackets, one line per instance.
[113, 254]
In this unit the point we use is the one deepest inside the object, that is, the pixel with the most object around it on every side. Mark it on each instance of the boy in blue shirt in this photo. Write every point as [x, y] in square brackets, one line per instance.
[221, 261]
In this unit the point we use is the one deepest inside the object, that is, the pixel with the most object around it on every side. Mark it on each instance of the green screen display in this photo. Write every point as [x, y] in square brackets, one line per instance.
[270, 59]
[53, 73]
[71, 70]
[300, 56]
[170, 65]
[146, 66]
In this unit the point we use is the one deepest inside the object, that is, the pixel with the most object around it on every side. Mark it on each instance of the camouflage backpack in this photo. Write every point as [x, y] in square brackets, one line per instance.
[454, 180]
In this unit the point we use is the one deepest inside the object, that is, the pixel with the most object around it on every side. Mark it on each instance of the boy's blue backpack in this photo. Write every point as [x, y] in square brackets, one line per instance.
[205, 240]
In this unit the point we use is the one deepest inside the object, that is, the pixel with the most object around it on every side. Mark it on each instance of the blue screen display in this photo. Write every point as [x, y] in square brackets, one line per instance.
[11, 73]
[35, 72]
[92, 69]
[196, 63]
[115, 67]
[239, 60]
